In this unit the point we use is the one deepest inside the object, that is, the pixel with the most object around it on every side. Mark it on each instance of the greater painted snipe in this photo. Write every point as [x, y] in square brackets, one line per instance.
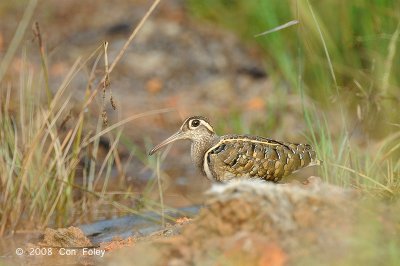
[229, 157]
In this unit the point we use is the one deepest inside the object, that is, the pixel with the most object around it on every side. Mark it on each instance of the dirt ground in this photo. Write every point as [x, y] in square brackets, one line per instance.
[248, 223]
[242, 223]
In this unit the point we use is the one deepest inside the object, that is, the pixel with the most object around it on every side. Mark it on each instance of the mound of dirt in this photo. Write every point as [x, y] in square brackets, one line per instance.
[62, 246]
[65, 237]
[255, 223]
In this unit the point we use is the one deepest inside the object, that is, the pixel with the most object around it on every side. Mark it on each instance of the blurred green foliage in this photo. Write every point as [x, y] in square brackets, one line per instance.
[358, 40]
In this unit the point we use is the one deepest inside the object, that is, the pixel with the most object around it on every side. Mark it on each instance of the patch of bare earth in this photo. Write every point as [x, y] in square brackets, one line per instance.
[63, 246]
[65, 237]
[254, 223]
[117, 243]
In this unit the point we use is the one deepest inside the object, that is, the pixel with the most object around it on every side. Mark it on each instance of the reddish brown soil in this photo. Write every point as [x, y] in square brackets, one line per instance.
[249, 223]
[254, 224]
[118, 243]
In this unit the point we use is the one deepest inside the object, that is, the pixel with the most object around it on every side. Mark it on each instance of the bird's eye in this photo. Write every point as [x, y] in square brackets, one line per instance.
[195, 123]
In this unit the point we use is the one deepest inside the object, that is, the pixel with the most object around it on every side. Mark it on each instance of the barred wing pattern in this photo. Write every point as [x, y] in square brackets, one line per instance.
[242, 156]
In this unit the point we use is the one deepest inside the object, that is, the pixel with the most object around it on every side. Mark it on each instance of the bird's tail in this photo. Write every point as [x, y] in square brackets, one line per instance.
[306, 153]
[315, 161]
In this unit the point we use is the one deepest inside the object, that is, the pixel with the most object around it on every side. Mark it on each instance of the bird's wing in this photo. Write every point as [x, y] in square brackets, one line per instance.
[242, 156]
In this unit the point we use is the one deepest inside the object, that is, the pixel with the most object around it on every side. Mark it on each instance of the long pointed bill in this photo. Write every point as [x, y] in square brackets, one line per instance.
[178, 135]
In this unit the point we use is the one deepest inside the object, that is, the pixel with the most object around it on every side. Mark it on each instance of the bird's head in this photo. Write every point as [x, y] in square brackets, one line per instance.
[194, 128]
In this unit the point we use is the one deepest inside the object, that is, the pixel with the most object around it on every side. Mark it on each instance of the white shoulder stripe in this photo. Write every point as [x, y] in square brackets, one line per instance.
[207, 125]
[206, 166]
[251, 140]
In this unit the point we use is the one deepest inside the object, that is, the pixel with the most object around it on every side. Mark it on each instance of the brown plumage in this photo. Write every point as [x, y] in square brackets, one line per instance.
[224, 158]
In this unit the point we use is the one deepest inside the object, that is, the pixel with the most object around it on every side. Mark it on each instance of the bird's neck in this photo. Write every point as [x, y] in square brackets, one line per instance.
[200, 147]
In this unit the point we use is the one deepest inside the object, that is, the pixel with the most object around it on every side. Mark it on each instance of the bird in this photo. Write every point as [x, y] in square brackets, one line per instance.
[240, 157]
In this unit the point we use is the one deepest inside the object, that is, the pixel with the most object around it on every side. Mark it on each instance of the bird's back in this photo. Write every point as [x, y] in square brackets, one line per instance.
[243, 156]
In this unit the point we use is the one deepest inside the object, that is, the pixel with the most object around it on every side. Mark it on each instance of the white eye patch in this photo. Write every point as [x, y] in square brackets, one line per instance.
[195, 123]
